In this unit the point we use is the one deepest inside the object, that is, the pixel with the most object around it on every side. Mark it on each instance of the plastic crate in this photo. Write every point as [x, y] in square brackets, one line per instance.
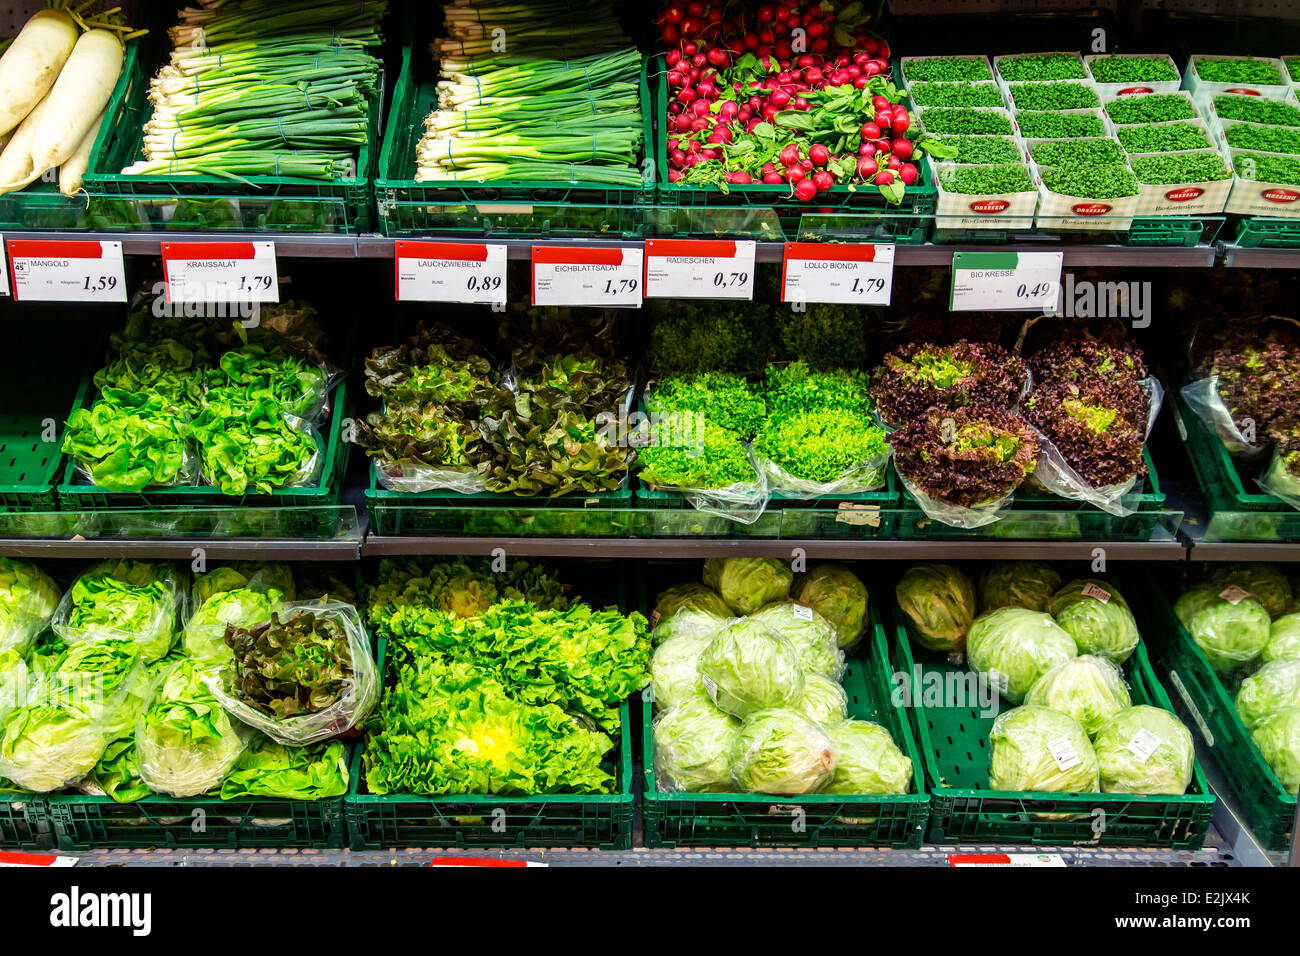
[380, 821]
[86, 497]
[1180, 231]
[29, 465]
[1207, 707]
[815, 819]
[1260, 232]
[271, 204]
[476, 207]
[908, 222]
[25, 822]
[954, 746]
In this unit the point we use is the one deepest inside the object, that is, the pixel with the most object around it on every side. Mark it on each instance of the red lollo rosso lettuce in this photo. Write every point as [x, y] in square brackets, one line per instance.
[919, 376]
[966, 456]
[1098, 425]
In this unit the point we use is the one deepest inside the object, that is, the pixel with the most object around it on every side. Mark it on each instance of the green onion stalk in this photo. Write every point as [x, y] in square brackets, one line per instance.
[566, 28]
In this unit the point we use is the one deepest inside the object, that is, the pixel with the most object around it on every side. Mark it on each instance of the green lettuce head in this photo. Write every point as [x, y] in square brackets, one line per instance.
[1283, 638]
[122, 599]
[1274, 687]
[779, 752]
[1097, 617]
[693, 741]
[689, 622]
[675, 669]
[205, 633]
[1144, 750]
[1089, 689]
[259, 576]
[28, 599]
[15, 681]
[746, 584]
[1015, 647]
[1264, 582]
[869, 762]
[748, 668]
[1278, 738]
[823, 701]
[811, 634]
[695, 597]
[1039, 749]
[1027, 584]
[1229, 634]
[940, 601]
[837, 594]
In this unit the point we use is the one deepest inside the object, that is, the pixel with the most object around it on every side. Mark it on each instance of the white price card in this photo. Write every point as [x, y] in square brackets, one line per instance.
[595, 276]
[220, 272]
[66, 270]
[858, 274]
[471, 273]
[699, 268]
[1006, 281]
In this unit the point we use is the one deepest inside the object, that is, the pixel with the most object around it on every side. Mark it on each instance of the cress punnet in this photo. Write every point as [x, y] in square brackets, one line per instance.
[1144, 749]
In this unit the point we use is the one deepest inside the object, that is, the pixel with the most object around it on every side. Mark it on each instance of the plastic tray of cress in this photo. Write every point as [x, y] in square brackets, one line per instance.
[1059, 211]
[1013, 210]
[909, 65]
[1111, 90]
[1022, 118]
[1204, 90]
[1259, 196]
[1193, 198]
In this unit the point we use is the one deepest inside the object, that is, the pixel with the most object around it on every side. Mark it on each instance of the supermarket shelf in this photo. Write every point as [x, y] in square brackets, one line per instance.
[1196, 257]
[1228, 820]
[231, 549]
[1200, 550]
[1261, 258]
[306, 245]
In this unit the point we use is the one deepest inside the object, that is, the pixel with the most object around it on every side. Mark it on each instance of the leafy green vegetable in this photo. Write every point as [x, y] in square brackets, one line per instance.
[1274, 687]
[869, 760]
[1151, 108]
[1015, 646]
[795, 388]
[939, 599]
[252, 445]
[965, 121]
[1096, 181]
[1144, 749]
[1283, 638]
[746, 584]
[205, 633]
[948, 69]
[1256, 109]
[1264, 582]
[1041, 66]
[1089, 689]
[1072, 152]
[838, 595]
[675, 668]
[747, 668]
[823, 700]
[260, 576]
[1053, 96]
[693, 742]
[129, 444]
[812, 636]
[724, 399]
[1228, 633]
[1237, 70]
[823, 336]
[28, 600]
[117, 775]
[1028, 747]
[715, 458]
[825, 446]
[710, 337]
[1163, 137]
[1278, 738]
[1183, 168]
[116, 599]
[987, 180]
[1048, 124]
[778, 751]
[464, 587]
[1117, 68]
[987, 150]
[1097, 617]
[269, 769]
[690, 595]
[1028, 584]
[955, 94]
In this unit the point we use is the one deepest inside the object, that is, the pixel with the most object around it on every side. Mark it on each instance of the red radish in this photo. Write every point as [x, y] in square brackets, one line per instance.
[884, 119]
[794, 174]
[800, 103]
[807, 164]
[739, 178]
[812, 76]
[790, 155]
[751, 41]
[893, 162]
[678, 157]
[872, 47]
[902, 148]
[719, 57]
[867, 149]
[672, 58]
[700, 61]
[805, 190]
[768, 168]
[773, 179]
[879, 102]
[766, 13]
[674, 175]
[673, 14]
[860, 83]
[683, 123]
[867, 167]
[689, 48]
[670, 35]
[870, 132]
[884, 177]
[711, 153]
[700, 123]
[780, 99]
[700, 108]
[823, 180]
[883, 50]
[687, 94]
[751, 125]
[908, 174]
[819, 155]
[901, 121]
[872, 68]
[695, 9]
[769, 112]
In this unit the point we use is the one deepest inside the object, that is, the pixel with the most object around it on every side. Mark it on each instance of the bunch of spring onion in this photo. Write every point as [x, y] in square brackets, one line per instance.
[265, 88]
[518, 117]
[563, 28]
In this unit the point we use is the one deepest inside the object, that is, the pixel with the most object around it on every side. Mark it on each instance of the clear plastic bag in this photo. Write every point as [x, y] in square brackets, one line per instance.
[151, 621]
[868, 475]
[958, 516]
[353, 705]
[411, 478]
[309, 472]
[188, 477]
[1203, 398]
[30, 598]
[743, 502]
[1277, 481]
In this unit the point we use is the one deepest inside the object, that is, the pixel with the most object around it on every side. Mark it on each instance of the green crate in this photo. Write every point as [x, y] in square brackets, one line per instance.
[25, 822]
[815, 819]
[907, 223]
[1260, 232]
[954, 742]
[381, 821]
[1178, 231]
[475, 207]
[263, 204]
[29, 465]
[334, 449]
[1206, 705]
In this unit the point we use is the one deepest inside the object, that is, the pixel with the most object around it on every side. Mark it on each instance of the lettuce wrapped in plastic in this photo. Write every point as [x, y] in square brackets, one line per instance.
[747, 668]
[746, 584]
[117, 774]
[1039, 749]
[132, 600]
[270, 770]
[1144, 750]
[939, 599]
[1264, 582]
[837, 594]
[689, 596]
[689, 622]
[204, 638]
[675, 669]
[823, 700]
[1283, 638]
[1015, 646]
[1096, 615]
[693, 742]
[15, 681]
[869, 760]
[1027, 584]
[811, 634]
[259, 576]
[186, 743]
[1274, 687]
[28, 599]
[777, 751]
[1229, 633]
[1278, 738]
[1090, 689]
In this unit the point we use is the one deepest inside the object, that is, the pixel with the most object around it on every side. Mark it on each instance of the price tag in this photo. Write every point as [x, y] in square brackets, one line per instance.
[1234, 594]
[1096, 591]
[569, 275]
[802, 613]
[1064, 754]
[221, 272]
[1053, 860]
[853, 513]
[699, 268]
[1006, 281]
[465, 272]
[1144, 744]
[66, 270]
[842, 274]
[36, 859]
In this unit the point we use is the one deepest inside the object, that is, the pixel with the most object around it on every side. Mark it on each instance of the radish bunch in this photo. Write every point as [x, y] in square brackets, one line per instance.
[790, 93]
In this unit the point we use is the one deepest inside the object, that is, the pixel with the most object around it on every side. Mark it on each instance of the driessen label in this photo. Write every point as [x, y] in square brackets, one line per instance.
[1135, 89]
[989, 206]
[1244, 92]
[1184, 194]
[1090, 209]
[1280, 195]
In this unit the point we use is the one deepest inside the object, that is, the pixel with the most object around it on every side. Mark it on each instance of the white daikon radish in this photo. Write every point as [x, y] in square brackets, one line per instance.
[79, 95]
[16, 161]
[32, 63]
[70, 172]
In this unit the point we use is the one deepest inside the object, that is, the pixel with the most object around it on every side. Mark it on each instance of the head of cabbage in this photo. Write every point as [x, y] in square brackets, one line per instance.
[838, 595]
[1036, 748]
[1264, 582]
[1283, 638]
[1144, 750]
[1027, 584]
[1228, 632]
[1278, 738]
[688, 622]
[28, 599]
[748, 668]
[811, 634]
[689, 596]
[869, 760]
[746, 584]
[693, 742]
[675, 669]
[823, 700]
[1089, 689]
[255, 575]
[15, 681]
[1274, 687]
[1015, 647]
[779, 752]
[939, 600]
[1096, 615]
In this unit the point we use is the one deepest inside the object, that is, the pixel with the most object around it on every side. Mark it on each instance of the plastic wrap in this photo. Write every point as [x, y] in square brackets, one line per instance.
[1089, 689]
[780, 752]
[28, 599]
[309, 472]
[155, 613]
[748, 668]
[1279, 482]
[357, 700]
[957, 516]
[868, 475]
[1035, 748]
[410, 478]
[1203, 398]
[693, 742]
